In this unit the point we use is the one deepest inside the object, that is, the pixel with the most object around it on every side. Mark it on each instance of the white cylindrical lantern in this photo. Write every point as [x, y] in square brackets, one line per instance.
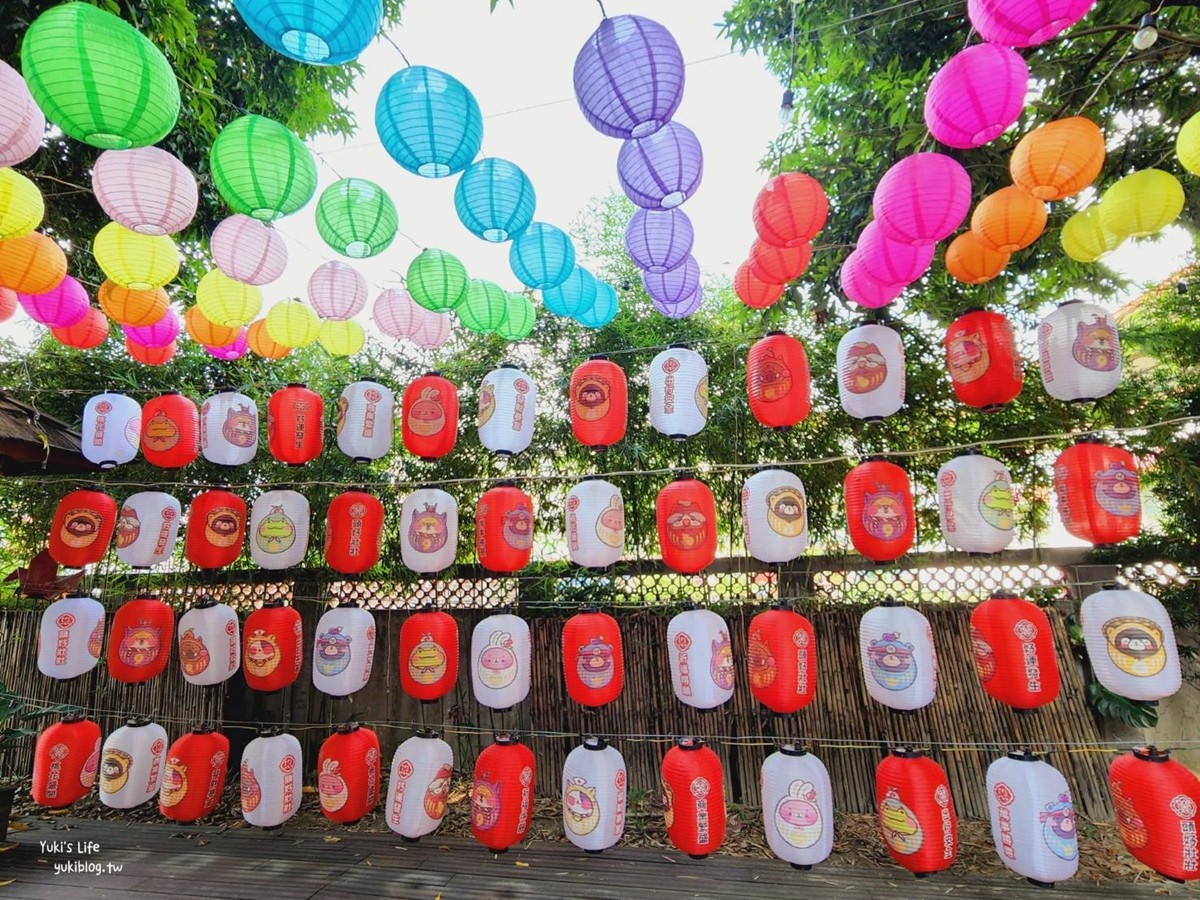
[365, 420]
[1080, 352]
[278, 533]
[507, 407]
[419, 789]
[343, 650]
[210, 643]
[593, 795]
[899, 664]
[1131, 644]
[228, 429]
[775, 516]
[111, 430]
[147, 528]
[71, 637]
[501, 651]
[595, 523]
[870, 365]
[976, 503]
[701, 658]
[429, 530]
[272, 780]
[678, 392]
[132, 763]
[1033, 822]
[797, 799]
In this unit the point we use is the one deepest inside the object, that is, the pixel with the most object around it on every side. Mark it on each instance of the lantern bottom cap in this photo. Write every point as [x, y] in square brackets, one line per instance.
[107, 464]
[697, 856]
[271, 827]
[106, 141]
[496, 850]
[409, 840]
[593, 852]
[801, 867]
[1041, 884]
[991, 407]
[433, 170]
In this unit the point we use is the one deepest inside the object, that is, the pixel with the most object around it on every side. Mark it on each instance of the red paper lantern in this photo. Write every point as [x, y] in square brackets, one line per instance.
[693, 797]
[170, 431]
[981, 354]
[1098, 492]
[593, 661]
[151, 356]
[778, 265]
[1156, 799]
[88, 333]
[428, 655]
[599, 402]
[348, 773]
[272, 647]
[66, 759]
[194, 777]
[916, 812]
[216, 529]
[777, 381]
[753, 291]
[430, 416]
[139, 642]
[504, 529]
[502, 795]
[879, 510]
[790, 210]
[1014, 652]
[295, 425]
[83, 525]
[781, 655]
[353, 532]
[687, 525]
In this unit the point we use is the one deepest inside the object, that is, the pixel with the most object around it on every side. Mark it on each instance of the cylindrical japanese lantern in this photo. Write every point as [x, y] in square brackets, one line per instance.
[348, 773]
[279, 526]
[210, 647]
[428, 530]
[502, 793]
[899, 662]
[797, 801]
[983, 360]
[1013, 647]
[870, 365]
[916, 812]
[687, 525]
[216, 529]
[272, 647]
[599, 402]
[419, 787]
[693, 797]
[430, 416]
[1098, 491]
[111, 429]
[428, 655]
[1156, 799]
[777, 381]
[1131, 644]
[131, 764]
[66, 758]
[775, 516]
[194, 777]
[781, 660]
[595, 523]
[1033, 821]
[976, 503]
[353, 532]
[678, 392]
[504, 525]
[147, 528]
[295, 424]
[507, 407]
[593, 661]
[879, 510]
[704, 678]
[594, 785]
[71, 637]
[365, 420]
[343, 650]
[922, 199]
[170, 431]
[501, 649]
[1080, 352]
[272, 779]
[228, 428]
[83, 525]
[976, 95]
[139, 641]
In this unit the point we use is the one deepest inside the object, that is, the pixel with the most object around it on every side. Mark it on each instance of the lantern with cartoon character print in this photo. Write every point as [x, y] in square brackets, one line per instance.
[419, 786]
[976, 504]
[429, 425]
[899, 663]
[216, 529]
[595, 523]
[879, 509]
[348, 776]
[66, 759]
[194, 776]
[228, 428]
[147, 529]
[701, 658]
[1033, 819]
[1014, 652]
[507, 409]
[504, 528]
[132, 763]
[916, 812]
[210, 647]
[502, 793]
[139, 641]
[295, 424]
[778, 384]
[272, 774]
[428, 530]
[1080, 352]
[82, 527]
[501, 651]
[365, 420]
[593, 661]
[428, 654]
[1156, 801]
[170, 431]
[983, 360]
[797, 800]
[870, 366]
[1098, 492]
[279, 529]
[272, 646]
[594, 783]
[599, 402]
[1131, 644]
[344, 650]
[781, 660]
[775, 515]
[353, 532]
[686, 515]
[65, 639]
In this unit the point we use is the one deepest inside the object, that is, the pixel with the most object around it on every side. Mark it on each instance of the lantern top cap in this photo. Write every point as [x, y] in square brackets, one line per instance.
[147, 597]
[1152, 754]
[430, 734]
[1069, 302]
[792, 750]
[775, 331]
[1005, 595]
[269, 730]
[972, 309]
[205, 602]
[689, 743]
[507, 738]
[347, 728]
[506, 483]
[433, 374]
[679, 345]
[274, 603]
[890, 601]
[601, 356]
[203, 728]
[907, 753]
[138, 721]
[1023, 755]
[594, 742]
[76, 715]
[508, 366]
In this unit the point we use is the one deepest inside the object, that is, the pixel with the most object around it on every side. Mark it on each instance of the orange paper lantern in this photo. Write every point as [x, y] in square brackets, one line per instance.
[89, 332]
[1008, 220]
[1058, 159]
[260, 342]
[32, 264]
[970, 262]
[753, 291]
[151, 356]
[203, 330]
[126, 306]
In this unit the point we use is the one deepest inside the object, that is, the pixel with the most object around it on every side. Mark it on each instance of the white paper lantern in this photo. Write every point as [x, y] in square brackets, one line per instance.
[145, 189]
[210, 644]
[594, 795]
[343, 650]
[132, 764]
[229, 429]
[501, 651]
[429, 530]
[1033, 821]
[797, 799]
[507, 407]
[899, 664]
[147, 528]
[1080, 352]
[701, 658]
[1131, 644]
[775, 516]
[365, 420]
[71, 637]
[111, 430]
[870, 365]
[595, 524]
[278, 533]
[248, 250]
[419, 789]
[678, 392]
[976, 504]
[272, 780]
[22, 123]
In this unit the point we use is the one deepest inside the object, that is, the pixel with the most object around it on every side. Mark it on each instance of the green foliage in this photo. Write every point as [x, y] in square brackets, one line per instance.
[1134, 713]
[17, 718]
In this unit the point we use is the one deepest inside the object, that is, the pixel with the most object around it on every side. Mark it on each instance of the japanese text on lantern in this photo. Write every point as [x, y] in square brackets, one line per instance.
[942, 796]
[164, 532]
[1184, 807]
[682, 643]
[57, 754]
[522, 388]
[670, 366]
[152, 779]
[218, 763]
[64, 623]
[372, 397]
[1027, 631]
[947, 481]
[301, 409]
[103, 408]
[287, 766]
[618, 825]
[800, 639]
[526, 797]
[403, 773]
[700, 788]
[1004, 796]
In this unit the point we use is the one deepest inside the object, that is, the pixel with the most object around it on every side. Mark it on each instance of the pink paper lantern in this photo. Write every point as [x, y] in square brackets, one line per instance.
[976, 95]
[922, 199]
[59, 307]
[145, 189]
[891, 262]
[396, 313]
[158, 334]
[432, 331]
[248, 250]
[235, 349]
[862, 288]
[8, 303]
[1024, 23]
[21, 121]
[337, 291]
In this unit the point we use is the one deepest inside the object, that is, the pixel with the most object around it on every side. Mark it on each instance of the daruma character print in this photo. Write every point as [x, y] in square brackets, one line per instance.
[429, 416]
[210, 648]
[272, 782]
[502, 793]
[599, 402]
[348, 776]
[419, 786]
[194, 776]
[216, 529]
[147, 529]
[272, 646]
[870, 365]
[983, 360]
[879, 510]
[429, 530]
[131, 764]
[686, 515]
[777, 381]
[781, 660]
[82, 528]
[1080, 352]
[139, 641]
[279, 528]
[593, 660]
[501, 651]
[1098, 492]
[228, 429]
[1156, 800]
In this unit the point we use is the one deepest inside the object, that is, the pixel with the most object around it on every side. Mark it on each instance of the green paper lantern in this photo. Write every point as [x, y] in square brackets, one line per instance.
[261, 168]
[356, 218]
[519, 318]
[98, 79]
[436, 280]
[483, 307]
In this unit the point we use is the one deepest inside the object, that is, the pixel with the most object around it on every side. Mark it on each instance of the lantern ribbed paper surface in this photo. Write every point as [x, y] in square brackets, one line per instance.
[790, 210]
[22, 123]
[70, 637]
[428, 655]
[701, 658]
[879, 509]
[353, 532]
[1058, 159]
[519, 317]
[82, 527]
[66, 758]
[983, 360]
[235, 349]
[248, 250]
[483, 306]
[595, 523]
[594, 782]
[272, 647]
[139, 641]
[574, 296]
[147, 529]
[1024, 23]
[60, 307]
[976, 504]
[1086, 238]
[159, 334]
[778, 265]
[1098, 492]
[923, 198]
[132, 260]
[969, 261]
[89, 332]
[501, 650]
[1033, 821]
[204, 331]
[1142, 204]
[693, 797]
[593, 659]
[419, 786]
[430, 416]
[1156, 799]
[320, 32]
[396, 313]
[502, 794]
[606, 306]
[599, 400]
[129, 307]
[210, 646]
[504, 526]
[1131, 644]
[348, 773]
[892, 262]
[797, 800]
[916, 812]
[1013, 646]
[32, 264]
[494, 199]
[365, 420]
[194, 777]
[775, 516]
[356, 218]
[863, 288]
[341, 337]
[170, 431]
[132, 763]
[260, 168]
[292, 323]
[871, 381]
[279, 527]
[663, 169]
[225, 301]
[151, 356]
[272, 780]
[899, 662]
[145, 189]
[8, 303]
[542, 256]
[428, 122]
[777, 381]
[1187, 144]
[1008, 220]
[216, 529]
[675, 286]
[21, 205]
[781, 660]
[343, 651]
[678, 392]
[686, 516]
[658, 240]
[1080, 352]
[295, 424]
[436, 280]
[337, 291]
[976, 95]
[507, 409]
[260, 342]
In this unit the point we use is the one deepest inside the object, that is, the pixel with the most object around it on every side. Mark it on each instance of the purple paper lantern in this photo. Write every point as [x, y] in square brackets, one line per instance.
[59, 307]
[862, 288]
[1024, 23]
[629, 77]
[891, 262]
[976, 95]
[145, 189]
[683, 308]
[659, 240]
[158, 334]
[662, 170]
[337, 291]
[235, 349]
[675, 286]
[922, 199]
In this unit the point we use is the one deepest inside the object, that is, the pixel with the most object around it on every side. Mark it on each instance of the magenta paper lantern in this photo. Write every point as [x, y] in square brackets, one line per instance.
[976, 95]
[22, 123]
[248, 250]
[662, 170]
[891, 262]
[159, 334]
[59, 307]
[1024, 23]
[337, 290]
[145, 189]
[922, 199]
[862, 288]
[235, 349]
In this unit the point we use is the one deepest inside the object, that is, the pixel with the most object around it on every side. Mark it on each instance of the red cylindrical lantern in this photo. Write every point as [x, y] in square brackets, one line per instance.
[272, 647]
[353, 532]
[599, 402]
[782, 658]
[82, 527]
[430, 416]
[504, 529]
[879, 510]
[502, 795]
[777, 381]
[66, 759]
[693, 797]
[295, 424]
[593, 662]
[1156, 800]
[139, 642]
[687, 525]
[194, 776]
[428, 655]
[1098, 492]
[1014, 652]
[916, 812]
[216, 529]
[170, 431]
[348, 773]
[981, 354]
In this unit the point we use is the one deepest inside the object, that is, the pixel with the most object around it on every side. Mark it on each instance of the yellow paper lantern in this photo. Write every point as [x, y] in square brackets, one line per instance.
[293, 324]
[1084, 237]
[129, 307]
[260, 342]
[1187, 145]
[1141, 204]
[341, 337]
[21, 206]
[132, 260]
[32, 264]
[227, 301]
[203, 331]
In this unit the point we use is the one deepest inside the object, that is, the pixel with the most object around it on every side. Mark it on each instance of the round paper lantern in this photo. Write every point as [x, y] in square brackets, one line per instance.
[483, 306]
[82, 527]
[663, 169]
[969, 261]
[1131, 644]
[210, 648]
[203, 331]
[1033, 821]
[976, 505]
[777, 381]
[797, 801]
[132, 763]
[429, 529]
[295, 424]
[606, 306]
[272, 775]
[502, 793]
[21, 205]
[594, 795]
[113, 90]
[674, 287]
[507, 409]
[750, 288]
[356, 218]
[1155, 799]
[147, 529]
[1086, 238]
[110, 430]
[519, 317]
[279, 527]
[890, 262]
[916, 812]
[899, 662]
[216, 529]
[790, 210]
[870, 361]
[494, 199]
[292, 323]
[228, 428]
[395, 313]
[436, 280]
[429, 425]
[686, 515]
[419, 787]
[593, 661]
[778, 265]
[248, 250]
[575, 296]
[66, 758]
[501, 648]
[151, 356]
[879, 510]
[261, 169]
[595, 523]
[341, 338]
[1026, 23]
[133, 260]
[348, 773]
[703, 679]
[983, 360]
[8, 303]
[89, 332]
[1080, 352]
[504, 525]
[194, 777]
[1011, 638]
[659, 240]
[1058, 159]
[1008, 220]
[139, 641]
[319, 32]
[428, 655]
[145, 189]
[22, 123]
[678, 392]
[365, 420]
[225, 301]
[432, 329]
[337, 291]
[32, 264]
[159, 335]
[922, 199]
[599, 402]
[1187, 144]
[70, 637]
[693, 797]
[542, 256]
[428, 122]
[236, 349]
[343, 651]
[353, 532]
[781, 656]
[1142, 204]
[260, 342]
[862, 288]
[775, 516]
[1098, 492]
[976, 95]
[272, 647]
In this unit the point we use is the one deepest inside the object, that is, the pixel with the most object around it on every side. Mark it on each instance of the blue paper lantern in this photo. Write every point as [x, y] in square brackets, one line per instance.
[675, 286]
[542, 256]
[494, 199]
[428, 122]
[322, 32]
[603, 310]
[662, 170]
[659, 240]
[575, 296]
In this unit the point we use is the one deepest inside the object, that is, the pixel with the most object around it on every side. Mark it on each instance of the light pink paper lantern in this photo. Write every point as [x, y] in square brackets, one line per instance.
[922, 199]
[248, 250]
[159, 334]
[1024, 23]
[337, 291]
[236, 349]
[891, 262]
[59, 307]
[21, 121]
[433, 330]
[862, 288]
[396, 313]
[145, 189]
[976, 95]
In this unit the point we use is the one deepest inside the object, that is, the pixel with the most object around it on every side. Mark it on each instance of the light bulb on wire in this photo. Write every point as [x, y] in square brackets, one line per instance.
[787, 107]
[1147, 34]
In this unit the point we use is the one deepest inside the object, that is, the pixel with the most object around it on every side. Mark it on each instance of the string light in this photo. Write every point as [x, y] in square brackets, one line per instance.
[1147, 33]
